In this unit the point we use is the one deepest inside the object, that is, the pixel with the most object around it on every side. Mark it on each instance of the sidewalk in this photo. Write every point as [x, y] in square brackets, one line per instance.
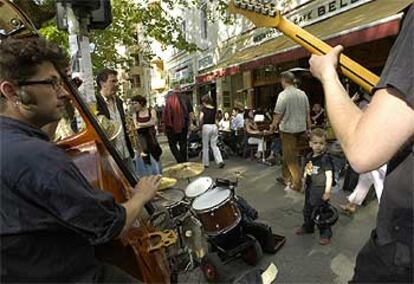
[302, 259]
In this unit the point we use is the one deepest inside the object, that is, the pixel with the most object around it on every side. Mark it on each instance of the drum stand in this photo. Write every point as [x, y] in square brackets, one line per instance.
[185, 250]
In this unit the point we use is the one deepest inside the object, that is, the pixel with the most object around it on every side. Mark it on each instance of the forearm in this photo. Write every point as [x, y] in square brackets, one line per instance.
[358, 131]
[276, 120]
[343, 114]
[308, 122]
[328, 186]
[328, 181]
[133, 208]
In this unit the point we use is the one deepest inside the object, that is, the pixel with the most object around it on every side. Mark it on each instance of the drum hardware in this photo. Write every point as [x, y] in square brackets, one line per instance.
[184, 170]
[227, 183]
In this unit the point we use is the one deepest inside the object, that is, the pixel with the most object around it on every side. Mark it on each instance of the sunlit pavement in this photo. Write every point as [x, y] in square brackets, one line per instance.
[302, 259]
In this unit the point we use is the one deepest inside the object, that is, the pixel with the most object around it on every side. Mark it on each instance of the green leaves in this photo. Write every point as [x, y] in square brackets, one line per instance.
[154, 22]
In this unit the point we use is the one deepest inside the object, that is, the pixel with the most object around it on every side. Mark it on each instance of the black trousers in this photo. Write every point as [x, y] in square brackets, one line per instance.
[313, 199]
[180, 154]
[390, 263]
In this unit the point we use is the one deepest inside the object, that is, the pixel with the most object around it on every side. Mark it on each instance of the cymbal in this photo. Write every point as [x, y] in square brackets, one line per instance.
[167, 182]
[184, 170]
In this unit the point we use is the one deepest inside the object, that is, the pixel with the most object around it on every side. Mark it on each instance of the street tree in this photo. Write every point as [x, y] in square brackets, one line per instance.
[154, 22]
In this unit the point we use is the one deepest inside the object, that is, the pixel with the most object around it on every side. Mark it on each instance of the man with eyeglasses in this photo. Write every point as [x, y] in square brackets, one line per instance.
[50, 216]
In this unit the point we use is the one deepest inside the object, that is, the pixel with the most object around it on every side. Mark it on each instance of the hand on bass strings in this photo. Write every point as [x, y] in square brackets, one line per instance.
[324, 67]
[147, 187]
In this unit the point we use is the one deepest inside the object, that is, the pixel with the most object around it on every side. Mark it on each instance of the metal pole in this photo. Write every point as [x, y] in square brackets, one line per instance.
[80, 53]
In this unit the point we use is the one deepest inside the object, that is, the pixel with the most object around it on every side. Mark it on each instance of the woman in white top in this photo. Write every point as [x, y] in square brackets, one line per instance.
[251, 130]
[224, 124]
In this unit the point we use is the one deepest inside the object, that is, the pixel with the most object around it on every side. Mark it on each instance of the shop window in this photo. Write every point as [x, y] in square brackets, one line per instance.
[226, 99]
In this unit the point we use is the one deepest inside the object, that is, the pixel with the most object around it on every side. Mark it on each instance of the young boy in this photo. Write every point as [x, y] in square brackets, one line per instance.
[318, 176]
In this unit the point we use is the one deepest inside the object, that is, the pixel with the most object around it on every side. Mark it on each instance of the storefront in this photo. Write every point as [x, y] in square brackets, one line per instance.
[350, 23]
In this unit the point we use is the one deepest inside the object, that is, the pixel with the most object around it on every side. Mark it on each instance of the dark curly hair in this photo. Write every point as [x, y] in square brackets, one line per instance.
[140, 99]
[19, 58]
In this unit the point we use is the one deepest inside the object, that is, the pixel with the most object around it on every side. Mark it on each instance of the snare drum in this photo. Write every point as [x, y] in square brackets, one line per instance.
[198, 187]
[172, 199]
[217, 211]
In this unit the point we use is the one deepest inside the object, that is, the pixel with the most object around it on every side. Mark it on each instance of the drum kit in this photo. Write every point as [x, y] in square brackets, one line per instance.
[204, 214]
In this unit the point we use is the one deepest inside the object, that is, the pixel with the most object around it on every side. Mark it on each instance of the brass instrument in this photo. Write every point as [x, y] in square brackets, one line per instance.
[132, 131]
[111, 128]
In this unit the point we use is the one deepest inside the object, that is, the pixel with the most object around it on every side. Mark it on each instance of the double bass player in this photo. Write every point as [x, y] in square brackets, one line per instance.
[51, 217]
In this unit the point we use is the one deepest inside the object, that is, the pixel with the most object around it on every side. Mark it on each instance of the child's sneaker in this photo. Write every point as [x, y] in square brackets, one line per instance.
[324, 241]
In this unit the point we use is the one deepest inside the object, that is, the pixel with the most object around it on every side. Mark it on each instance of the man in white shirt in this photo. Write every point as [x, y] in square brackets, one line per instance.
[111, 106]
[292, 117]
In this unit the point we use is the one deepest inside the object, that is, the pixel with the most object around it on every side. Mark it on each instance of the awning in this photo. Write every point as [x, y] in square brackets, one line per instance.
[365, 23]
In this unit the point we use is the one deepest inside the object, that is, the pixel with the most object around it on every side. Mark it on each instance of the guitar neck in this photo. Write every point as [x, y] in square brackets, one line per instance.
[357, 73]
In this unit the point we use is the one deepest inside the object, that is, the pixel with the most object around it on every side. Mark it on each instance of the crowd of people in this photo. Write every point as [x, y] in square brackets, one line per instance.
[50, 212]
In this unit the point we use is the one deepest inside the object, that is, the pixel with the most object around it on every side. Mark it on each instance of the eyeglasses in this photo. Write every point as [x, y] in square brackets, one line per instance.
[55, 83]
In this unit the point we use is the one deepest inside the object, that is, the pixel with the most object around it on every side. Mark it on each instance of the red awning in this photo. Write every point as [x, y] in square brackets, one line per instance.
[348, 29]
[350, 39]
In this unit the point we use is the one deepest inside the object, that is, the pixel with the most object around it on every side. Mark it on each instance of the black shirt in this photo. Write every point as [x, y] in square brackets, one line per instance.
[395, 218]
[320, 120]
[50, 216]
[187, 107]
[209, 115]
[320, 164]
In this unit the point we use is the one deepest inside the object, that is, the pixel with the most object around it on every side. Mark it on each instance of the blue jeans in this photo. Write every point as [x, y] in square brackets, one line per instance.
[143, 169]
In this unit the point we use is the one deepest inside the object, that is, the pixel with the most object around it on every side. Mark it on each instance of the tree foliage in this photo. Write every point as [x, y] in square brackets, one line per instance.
[155, 23]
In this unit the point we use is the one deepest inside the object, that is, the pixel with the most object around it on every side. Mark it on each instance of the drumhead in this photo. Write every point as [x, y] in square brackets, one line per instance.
[211, 198]
[169, 197]
[198, 186]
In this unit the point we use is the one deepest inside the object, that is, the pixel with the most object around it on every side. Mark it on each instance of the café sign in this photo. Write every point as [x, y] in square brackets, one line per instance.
[311, 13]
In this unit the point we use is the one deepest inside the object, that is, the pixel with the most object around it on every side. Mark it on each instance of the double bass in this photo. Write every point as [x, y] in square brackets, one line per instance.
[141, 252]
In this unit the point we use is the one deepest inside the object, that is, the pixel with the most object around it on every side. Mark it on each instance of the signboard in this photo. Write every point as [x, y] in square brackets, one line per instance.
[309, 14]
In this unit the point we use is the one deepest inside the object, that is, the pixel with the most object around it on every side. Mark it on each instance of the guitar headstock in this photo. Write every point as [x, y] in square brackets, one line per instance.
[261, 13]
